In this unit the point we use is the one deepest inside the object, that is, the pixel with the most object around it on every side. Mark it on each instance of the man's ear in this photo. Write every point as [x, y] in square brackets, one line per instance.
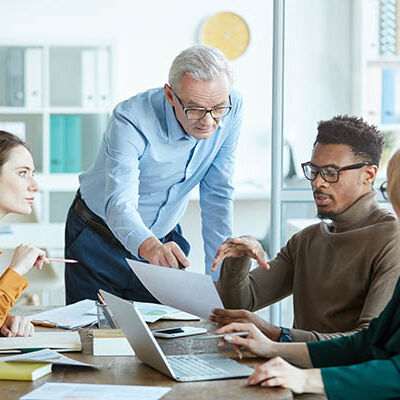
[370, 174]
[169, 94]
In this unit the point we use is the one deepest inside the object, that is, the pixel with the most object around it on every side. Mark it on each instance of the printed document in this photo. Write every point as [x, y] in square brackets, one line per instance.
[80, 391]
[187, 291]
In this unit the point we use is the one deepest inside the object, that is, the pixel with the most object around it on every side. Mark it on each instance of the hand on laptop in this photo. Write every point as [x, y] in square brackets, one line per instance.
[168, 254]
[240, 247]
[256, 342]
[225, 317]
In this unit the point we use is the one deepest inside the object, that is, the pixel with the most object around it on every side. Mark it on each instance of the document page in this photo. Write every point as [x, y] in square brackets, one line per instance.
[72, 316]
[187, 291]
[79, 391]
[47, 355]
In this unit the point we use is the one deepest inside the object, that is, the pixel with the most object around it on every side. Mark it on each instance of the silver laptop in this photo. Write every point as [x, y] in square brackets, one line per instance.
[184, 368]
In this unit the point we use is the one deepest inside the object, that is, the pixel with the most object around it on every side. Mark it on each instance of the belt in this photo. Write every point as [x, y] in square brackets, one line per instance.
[93, 221]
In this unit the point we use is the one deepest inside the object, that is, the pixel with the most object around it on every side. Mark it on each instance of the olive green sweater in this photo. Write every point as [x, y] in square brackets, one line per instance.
[341, 275]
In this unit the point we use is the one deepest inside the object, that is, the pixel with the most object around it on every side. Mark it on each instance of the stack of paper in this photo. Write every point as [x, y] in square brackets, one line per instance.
[111, 342]
[61, 341]
[74, 316]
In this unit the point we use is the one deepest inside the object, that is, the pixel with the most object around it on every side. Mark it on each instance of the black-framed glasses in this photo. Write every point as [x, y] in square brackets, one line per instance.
[329, 173]
[383, 189]
[194, 113]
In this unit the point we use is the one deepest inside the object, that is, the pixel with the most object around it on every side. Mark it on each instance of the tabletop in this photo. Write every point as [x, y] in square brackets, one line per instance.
[130, 371]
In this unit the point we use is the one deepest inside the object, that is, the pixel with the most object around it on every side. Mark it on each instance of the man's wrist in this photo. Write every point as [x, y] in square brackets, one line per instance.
[285, 336]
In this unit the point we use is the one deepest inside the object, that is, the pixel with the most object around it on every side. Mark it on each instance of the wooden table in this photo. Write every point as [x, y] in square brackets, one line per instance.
[130, 371]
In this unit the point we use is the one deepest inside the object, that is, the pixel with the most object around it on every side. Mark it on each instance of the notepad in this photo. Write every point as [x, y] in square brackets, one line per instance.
[111, 342]
[23, 371]
[60, 341]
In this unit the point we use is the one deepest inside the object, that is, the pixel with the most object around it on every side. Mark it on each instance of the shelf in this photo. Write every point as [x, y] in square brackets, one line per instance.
[384, 60]
[389, 127]
[53, 110]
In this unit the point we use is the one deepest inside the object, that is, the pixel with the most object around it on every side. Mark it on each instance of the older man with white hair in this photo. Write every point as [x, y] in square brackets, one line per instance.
[158, 146]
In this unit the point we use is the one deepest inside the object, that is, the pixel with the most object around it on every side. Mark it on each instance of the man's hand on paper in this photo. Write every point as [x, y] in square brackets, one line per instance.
[225, 317]
[240, 247]
[17, 326]
[168, 254]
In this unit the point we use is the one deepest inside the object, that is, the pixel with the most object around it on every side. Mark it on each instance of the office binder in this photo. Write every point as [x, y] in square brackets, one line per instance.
[88, 59]
[103, 78]
[73, 141]
[15, 77]
[33, 77]
[388, 96]
[57, 161]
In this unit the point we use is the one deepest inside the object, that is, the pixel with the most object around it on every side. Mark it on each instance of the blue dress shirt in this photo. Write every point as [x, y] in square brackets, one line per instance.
[147, 165]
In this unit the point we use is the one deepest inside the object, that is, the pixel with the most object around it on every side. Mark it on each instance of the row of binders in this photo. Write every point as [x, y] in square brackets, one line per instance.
[383, 95]
[24, 77]
[65, 143]
[382, 19]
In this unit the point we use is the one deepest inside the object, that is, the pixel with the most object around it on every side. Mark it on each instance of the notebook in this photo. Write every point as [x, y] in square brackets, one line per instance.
[23, 371]
[60, 341]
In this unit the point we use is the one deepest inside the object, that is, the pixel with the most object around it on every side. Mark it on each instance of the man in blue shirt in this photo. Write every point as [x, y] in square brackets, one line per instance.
[158, 146]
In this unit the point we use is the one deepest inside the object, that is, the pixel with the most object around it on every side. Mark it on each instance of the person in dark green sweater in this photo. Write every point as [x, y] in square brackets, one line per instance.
[365, 365]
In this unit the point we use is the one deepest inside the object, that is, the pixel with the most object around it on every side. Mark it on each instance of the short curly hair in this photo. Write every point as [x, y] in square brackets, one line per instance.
[365, 140]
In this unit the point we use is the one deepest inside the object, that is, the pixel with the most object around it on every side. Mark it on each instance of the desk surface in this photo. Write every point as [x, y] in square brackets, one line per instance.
[130, 371]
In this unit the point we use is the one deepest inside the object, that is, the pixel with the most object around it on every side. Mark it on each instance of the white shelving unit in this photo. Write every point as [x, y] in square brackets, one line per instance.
[68, 85]
[369, 64]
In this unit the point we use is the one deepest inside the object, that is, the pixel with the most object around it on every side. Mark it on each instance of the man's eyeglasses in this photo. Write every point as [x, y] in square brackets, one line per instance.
[194, 113]
[329, 173]
[383, 189]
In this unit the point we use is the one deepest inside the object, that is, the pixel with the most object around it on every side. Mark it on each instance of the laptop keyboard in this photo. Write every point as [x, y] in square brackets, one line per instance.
[190, 365]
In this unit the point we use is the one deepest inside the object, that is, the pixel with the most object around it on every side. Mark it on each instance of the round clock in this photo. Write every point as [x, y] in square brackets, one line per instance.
[228, 32]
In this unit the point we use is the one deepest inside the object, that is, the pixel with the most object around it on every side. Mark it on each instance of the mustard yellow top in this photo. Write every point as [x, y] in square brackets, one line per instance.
[12, 285]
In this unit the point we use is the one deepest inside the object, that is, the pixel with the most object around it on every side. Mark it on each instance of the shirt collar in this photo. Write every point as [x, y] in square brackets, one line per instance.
[175, 131]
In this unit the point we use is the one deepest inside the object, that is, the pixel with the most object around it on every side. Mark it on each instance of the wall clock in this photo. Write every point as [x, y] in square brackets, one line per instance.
[228, 32]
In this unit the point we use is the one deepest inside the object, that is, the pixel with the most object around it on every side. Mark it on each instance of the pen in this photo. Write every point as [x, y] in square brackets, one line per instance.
[222, 335]
[63, 260]
[47, 324]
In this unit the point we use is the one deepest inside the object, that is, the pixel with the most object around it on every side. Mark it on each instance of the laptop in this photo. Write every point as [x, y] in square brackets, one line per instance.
[182, 368]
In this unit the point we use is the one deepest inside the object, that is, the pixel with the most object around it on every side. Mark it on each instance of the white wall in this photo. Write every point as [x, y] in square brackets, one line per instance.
[149, 34]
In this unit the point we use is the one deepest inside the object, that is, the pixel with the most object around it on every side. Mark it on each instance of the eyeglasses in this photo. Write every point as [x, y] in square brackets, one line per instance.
[329, 173]
[194, 113]
[383, 189]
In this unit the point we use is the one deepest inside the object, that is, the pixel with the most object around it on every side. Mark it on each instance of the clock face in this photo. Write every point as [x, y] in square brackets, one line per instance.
[228, 32]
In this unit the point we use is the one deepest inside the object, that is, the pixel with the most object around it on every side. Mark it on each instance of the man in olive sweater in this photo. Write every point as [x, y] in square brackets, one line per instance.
[342, 273]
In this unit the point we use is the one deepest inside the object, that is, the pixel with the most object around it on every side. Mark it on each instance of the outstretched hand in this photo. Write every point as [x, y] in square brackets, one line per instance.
[240, 247]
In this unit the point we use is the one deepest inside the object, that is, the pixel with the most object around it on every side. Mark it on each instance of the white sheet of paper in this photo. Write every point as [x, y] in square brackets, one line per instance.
[79, 391]
[153, 312]
[187, 291]
[46, 355]
[72, 316]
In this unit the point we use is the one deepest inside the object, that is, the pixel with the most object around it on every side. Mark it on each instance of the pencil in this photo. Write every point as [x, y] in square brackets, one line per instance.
[62, 260]
[100, 299]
